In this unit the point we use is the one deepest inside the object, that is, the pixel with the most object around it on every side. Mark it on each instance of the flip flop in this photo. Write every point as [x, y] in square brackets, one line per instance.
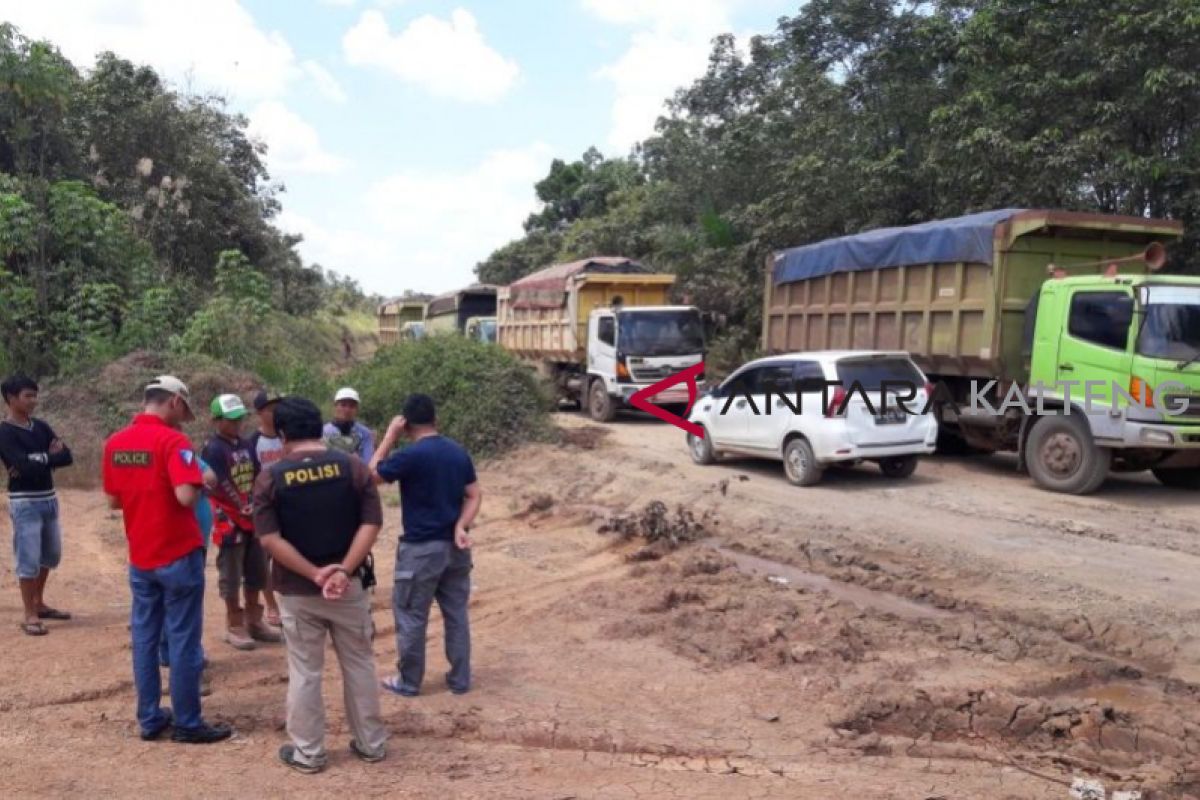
[34, 629]
[53, 613]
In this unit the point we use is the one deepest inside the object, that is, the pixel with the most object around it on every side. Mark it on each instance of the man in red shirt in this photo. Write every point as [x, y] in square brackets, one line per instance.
[153, 476]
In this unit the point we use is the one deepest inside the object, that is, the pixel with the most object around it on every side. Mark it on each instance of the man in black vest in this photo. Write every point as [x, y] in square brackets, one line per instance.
[317, 512]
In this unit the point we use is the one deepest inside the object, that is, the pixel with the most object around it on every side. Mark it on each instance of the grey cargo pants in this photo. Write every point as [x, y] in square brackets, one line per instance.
[428, 571]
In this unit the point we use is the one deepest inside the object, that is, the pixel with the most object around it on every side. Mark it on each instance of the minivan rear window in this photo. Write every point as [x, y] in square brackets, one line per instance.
[870, 373]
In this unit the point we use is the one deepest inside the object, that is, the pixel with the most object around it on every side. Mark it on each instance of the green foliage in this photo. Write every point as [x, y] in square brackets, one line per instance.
[486, 399]
[856, 114]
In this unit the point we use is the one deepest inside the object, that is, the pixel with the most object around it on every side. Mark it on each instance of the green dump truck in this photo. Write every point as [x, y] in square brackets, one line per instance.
[1048, 333]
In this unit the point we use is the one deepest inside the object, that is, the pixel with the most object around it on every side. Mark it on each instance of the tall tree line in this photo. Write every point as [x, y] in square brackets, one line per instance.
[855, 114]
[119, 198]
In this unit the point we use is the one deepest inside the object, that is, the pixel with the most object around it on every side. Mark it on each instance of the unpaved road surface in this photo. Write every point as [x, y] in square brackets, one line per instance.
[960, 634]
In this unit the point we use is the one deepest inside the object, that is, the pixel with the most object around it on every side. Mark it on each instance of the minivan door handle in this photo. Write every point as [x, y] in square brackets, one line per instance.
[1067, 367]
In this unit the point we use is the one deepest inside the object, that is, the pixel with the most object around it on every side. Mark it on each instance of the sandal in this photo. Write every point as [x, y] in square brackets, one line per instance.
[53, 613]
[34, 629]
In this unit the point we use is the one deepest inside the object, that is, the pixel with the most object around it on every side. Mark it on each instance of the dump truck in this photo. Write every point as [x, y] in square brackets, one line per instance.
[449, 312]
[1048, 333]
[394, 315]
[481, 329]
[599, 330]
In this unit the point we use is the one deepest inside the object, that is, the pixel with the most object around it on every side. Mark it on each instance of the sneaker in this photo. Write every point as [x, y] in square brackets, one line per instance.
[288, 755]
[156, 734]
[364, 755]
[205, 734]
[238, 639]
[265, 633]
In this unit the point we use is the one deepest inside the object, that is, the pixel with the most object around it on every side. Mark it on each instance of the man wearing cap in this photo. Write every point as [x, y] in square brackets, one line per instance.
[153, 476]
[346, 433]
[240, 558]
[317, 512]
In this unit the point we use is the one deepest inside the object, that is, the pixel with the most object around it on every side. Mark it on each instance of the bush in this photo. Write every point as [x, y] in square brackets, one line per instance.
[486, 399]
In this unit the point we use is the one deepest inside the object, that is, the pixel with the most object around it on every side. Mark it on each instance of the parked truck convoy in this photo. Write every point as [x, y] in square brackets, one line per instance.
[600, 330]
[1047, 307]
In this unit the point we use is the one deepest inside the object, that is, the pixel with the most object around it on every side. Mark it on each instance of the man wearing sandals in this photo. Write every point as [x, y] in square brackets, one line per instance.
[31, 452]
[153, 476]
[317, 512]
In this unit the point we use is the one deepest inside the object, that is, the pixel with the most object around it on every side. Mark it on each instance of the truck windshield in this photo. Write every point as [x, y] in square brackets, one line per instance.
[870, 373]
[487, 330]
[1171, 327]
[660, 333]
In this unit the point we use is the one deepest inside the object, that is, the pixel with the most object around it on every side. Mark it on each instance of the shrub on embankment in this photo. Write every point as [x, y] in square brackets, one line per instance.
[486, 399]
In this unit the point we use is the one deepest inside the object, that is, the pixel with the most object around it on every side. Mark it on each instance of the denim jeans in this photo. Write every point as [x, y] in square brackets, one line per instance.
[169, 599]
[164, 652]
[37, 536]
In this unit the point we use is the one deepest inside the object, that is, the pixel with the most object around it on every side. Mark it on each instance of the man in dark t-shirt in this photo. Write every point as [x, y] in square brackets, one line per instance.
[31, 452]
[317, 512]
[439, 498]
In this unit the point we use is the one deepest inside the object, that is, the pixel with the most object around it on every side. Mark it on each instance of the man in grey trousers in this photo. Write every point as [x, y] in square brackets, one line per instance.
[439, 498]
[318, 514]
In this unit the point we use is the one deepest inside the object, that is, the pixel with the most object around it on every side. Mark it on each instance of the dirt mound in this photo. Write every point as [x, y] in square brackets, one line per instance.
[588, 437]
[84, 410]
[662, 531]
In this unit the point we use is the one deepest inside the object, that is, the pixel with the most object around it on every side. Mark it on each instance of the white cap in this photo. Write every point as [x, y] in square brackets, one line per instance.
[346, 393]
[169, 383]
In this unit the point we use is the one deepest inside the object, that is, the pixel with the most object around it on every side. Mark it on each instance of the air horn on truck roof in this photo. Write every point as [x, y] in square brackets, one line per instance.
[1154, 257]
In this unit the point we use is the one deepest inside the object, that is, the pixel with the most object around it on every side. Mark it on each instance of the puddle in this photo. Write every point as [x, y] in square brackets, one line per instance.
[858, 596]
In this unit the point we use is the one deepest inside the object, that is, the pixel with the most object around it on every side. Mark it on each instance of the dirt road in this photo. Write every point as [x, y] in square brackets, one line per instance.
[957, 635]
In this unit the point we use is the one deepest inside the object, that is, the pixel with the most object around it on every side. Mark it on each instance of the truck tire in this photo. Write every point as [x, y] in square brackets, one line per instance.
[600, 406]
[701, 449]
[1062, 456]
[800, 463]
[1186, 478]
[898, 467]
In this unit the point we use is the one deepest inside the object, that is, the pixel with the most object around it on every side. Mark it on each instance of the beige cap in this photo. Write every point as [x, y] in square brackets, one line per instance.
[346, 393]
[169, 383]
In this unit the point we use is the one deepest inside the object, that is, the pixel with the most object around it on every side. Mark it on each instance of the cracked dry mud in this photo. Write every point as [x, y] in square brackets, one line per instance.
[958, 635]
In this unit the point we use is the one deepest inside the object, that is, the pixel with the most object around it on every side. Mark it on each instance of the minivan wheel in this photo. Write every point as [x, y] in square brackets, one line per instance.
[701, 448]
[1187, 478]
[800, 463]
[898, 466]
[600, 406]
[1062, 455]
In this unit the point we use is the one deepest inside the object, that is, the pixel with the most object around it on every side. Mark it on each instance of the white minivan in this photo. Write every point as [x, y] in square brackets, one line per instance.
[811, 410]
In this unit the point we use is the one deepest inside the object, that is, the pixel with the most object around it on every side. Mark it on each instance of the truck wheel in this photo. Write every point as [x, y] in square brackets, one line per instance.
[898, 467]
[701, 448]
[600, 405]
[800, 463]
[1063, 457]
[1187, 478]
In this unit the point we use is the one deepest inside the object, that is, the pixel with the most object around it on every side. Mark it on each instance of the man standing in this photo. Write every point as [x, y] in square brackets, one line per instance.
[439, 498]
[317, 512]
[152, 475]
[346, 433]
[240, 558]
[31, 452]
[267, 448]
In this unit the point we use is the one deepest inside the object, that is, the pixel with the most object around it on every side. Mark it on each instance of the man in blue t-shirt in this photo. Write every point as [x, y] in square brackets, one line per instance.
[439, 498]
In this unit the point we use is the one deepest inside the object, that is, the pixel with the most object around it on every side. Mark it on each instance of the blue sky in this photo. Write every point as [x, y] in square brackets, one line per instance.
[409, 133]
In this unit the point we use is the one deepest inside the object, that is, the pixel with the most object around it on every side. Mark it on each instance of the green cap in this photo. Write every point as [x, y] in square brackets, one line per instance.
[228, 406]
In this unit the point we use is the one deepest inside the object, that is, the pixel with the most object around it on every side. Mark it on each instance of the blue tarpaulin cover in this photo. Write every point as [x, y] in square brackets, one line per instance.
[968, 239]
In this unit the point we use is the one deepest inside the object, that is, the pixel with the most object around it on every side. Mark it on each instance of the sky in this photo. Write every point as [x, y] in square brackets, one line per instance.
[408, 134]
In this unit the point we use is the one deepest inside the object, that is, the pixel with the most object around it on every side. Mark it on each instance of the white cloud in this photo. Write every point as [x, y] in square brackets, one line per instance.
[425, 229]
[215, 45]
[447, 58]
[668, 49]
[293, 145]
[325, 82]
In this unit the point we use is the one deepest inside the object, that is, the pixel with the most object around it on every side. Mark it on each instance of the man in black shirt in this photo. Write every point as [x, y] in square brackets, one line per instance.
[317, 512]
[31, 452]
